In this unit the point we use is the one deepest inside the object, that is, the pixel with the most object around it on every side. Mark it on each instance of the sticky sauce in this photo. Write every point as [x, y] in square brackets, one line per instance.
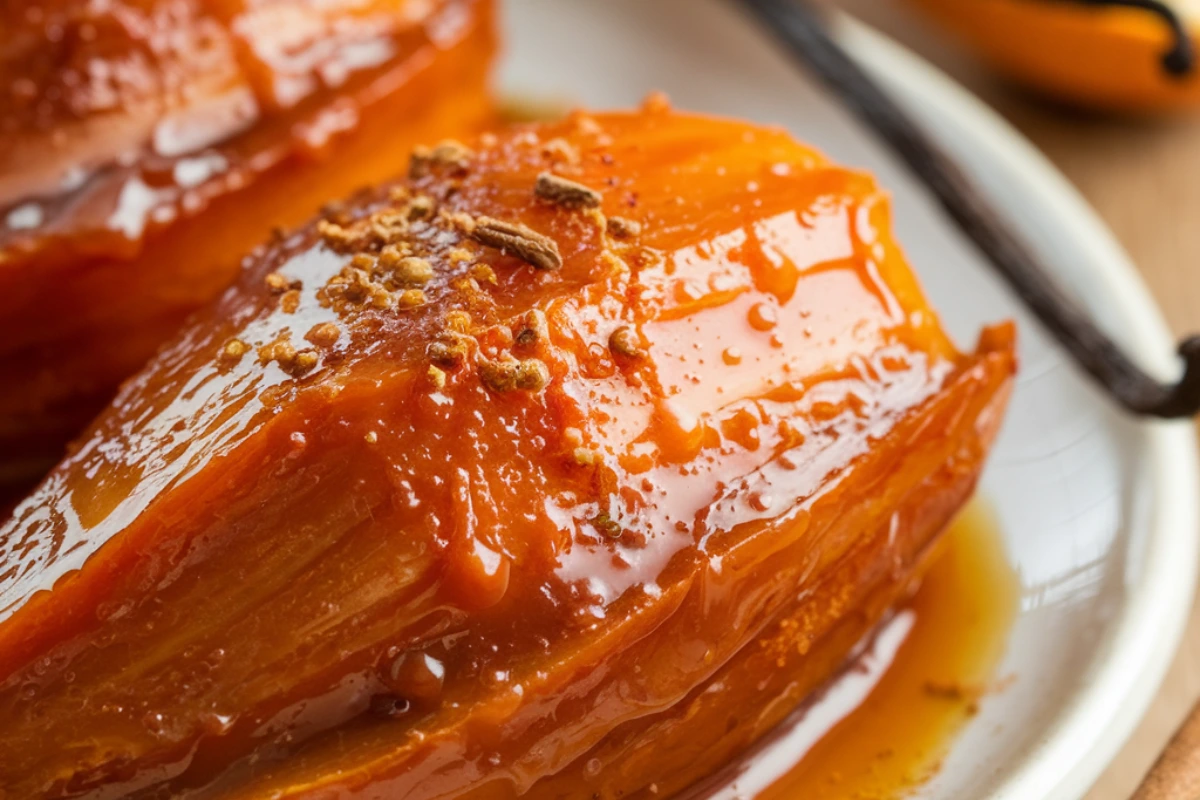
[884, 726]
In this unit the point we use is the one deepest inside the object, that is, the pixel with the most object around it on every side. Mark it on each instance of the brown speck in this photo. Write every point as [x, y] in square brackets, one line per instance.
[459, 255]
[530, 329]
[624, 341]
[290, 301]
[399, 194]
[521, 241]
[437, 377]
[234, 349]
[607, 526]
[484, 274]
[585, 457]
[371, 438]
[411, 298]
[566, 193]
[624, 228]
[324, 334]
[508, 374]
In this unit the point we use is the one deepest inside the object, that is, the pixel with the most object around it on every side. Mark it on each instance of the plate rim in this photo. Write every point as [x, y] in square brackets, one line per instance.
[1088, 733]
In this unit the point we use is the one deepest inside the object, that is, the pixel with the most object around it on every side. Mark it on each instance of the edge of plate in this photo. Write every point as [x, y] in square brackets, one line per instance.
[1094, 727]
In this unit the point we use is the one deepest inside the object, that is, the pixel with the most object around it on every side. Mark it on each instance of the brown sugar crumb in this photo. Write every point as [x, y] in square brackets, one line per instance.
[304, 362]
[656, 103]
[399, 194]
[484, 274]
[411, 298]
[420, 207]
[233, 350]
[337, 237]
[278, 284]
[565, 193]
[290, 301]
[560, 149]
[530, 329]
[523, 242]
[585, 457]
[356, 285]
[324, 334]
[585, 124]
[509, 374]
[448, 153]
[460, 255]
[624, 341]
[459, 220]
[624, 228]
[458, 321]
[292, 361]
[371, 437]
[407, 269]
[573, 437]
[388, 227]
[437, 377]
[615, 265]
[336, 211]
[449, 351]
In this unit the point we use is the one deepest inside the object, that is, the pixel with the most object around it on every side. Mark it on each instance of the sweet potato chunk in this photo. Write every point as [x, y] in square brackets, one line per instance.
[564, 467]
[148, 145]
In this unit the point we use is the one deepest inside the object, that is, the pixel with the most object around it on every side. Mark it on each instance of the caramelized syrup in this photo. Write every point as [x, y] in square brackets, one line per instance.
[883, 727]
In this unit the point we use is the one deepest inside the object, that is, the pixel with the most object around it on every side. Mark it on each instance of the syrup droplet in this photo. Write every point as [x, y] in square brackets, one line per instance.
[763, 317]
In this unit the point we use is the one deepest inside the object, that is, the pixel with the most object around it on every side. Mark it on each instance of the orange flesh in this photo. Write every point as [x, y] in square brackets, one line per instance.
[361, 581]
[330, 100]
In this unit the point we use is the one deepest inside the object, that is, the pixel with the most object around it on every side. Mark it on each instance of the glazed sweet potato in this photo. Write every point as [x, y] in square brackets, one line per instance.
[148, 145]
[563, 468]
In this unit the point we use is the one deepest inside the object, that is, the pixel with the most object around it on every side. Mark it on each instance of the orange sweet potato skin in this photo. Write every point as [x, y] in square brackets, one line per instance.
[473, 489]
[156, 142]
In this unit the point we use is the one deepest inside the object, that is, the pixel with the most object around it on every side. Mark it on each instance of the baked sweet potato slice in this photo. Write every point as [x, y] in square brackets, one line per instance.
[564, 467]
[148, 145]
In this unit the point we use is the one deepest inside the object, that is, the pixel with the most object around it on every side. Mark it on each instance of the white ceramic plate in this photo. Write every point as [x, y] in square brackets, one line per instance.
[1099, 512]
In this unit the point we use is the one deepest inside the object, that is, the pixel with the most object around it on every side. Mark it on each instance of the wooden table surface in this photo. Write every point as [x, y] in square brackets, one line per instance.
[1144, 179]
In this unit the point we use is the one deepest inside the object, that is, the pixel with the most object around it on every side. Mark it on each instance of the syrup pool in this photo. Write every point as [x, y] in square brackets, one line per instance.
[883, 727]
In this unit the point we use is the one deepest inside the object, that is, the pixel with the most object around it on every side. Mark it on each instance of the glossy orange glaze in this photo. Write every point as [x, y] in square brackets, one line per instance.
[496, 536]
[148, 145]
